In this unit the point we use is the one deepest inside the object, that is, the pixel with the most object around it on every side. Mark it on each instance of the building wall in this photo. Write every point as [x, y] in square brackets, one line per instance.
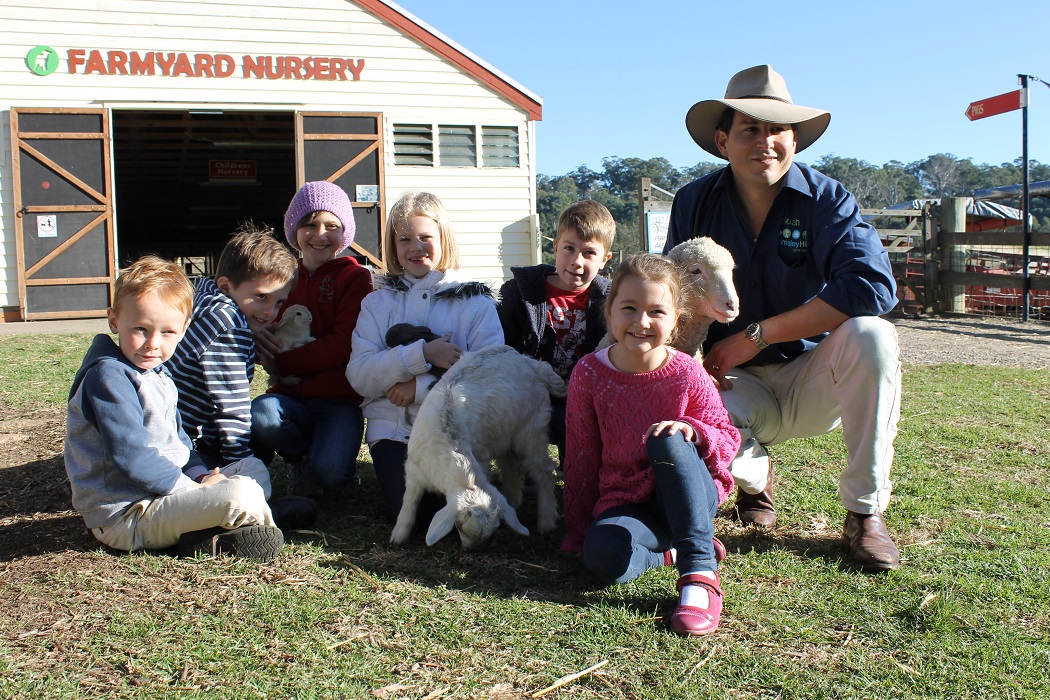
[490, 207]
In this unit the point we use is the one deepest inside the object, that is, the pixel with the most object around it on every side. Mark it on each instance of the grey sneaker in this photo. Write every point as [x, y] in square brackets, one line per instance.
[259, 542]
[301, 482]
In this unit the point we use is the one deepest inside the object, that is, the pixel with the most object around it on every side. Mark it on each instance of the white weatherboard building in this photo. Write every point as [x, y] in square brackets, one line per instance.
[136, 126]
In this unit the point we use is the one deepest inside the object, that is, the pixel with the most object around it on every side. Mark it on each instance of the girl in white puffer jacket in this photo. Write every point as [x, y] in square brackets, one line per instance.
[423, 288]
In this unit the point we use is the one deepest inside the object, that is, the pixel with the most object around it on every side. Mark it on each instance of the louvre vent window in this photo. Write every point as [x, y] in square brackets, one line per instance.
[413, 144]
[499, 146]
[458, 146]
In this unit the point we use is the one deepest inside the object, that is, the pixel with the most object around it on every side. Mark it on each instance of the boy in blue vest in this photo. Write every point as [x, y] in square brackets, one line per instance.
[135, 478]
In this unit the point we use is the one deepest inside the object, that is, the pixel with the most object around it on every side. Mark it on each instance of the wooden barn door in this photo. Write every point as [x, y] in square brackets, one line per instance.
[347, 148]
[63, 212]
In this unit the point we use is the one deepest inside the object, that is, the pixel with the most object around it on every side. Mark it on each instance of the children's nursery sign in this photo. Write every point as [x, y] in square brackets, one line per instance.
[44, 60]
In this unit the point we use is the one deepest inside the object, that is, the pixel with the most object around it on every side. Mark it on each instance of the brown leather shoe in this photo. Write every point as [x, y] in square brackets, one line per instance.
[757, 509]
[869, 543]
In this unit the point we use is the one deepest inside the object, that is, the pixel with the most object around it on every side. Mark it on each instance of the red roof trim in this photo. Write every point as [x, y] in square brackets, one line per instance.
[453, 55]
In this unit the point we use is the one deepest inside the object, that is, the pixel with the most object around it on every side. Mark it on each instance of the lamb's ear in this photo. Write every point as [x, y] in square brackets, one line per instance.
[442, 524]
[507, 513]
[508, 516]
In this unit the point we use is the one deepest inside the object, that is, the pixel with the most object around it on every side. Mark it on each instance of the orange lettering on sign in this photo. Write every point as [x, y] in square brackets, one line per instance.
[202, 65]
[224, 65]
[320, 69]
[75, 57]
[142, 64]
[205, 65]
[95, 64]
[166, 61]
[251, 67]
[356, 67]
[118, 63]
[292, 66]
[183, 65]
[338, 68]
[274, 68]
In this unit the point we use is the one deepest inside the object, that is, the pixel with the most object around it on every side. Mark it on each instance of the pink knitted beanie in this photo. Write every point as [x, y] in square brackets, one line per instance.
[320, 196]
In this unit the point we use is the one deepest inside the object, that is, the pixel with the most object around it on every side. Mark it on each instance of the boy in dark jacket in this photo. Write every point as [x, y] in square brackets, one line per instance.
[556, 314]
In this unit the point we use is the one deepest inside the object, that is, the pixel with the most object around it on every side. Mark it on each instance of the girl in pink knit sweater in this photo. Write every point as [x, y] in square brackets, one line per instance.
[648, 448]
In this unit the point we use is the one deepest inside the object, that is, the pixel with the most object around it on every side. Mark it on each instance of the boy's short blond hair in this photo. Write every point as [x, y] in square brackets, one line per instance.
[154, 275]
[253, 253]
[420, 204]
[590, 220]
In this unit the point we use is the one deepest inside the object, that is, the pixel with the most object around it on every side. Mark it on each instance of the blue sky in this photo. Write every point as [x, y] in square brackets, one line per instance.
[617, 77]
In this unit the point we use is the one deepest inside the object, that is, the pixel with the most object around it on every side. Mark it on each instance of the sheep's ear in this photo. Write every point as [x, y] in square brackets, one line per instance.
[508, 516]
[507, 513]
[442, 524]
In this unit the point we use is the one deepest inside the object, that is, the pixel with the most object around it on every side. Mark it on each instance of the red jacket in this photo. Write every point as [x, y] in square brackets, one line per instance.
[333, 295]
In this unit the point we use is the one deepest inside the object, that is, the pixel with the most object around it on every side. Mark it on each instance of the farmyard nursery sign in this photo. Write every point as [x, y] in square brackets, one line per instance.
[44, 60]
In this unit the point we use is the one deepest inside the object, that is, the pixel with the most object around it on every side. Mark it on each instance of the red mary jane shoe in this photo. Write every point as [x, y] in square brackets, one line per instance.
[693, 621]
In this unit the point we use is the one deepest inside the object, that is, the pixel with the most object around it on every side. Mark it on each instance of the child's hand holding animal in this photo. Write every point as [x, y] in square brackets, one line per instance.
[442, 352]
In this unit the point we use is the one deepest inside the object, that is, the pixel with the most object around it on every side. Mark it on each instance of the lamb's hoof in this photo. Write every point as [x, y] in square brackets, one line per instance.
[400, 535]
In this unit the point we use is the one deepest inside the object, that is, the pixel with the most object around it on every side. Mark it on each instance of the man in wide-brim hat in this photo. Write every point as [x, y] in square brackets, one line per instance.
[808, 352]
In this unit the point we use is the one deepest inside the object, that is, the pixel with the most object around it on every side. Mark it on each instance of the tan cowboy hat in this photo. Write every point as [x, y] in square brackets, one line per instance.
[761, 94]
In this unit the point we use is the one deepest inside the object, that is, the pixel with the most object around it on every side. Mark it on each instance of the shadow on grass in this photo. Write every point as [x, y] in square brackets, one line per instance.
[513, 566]
[36, 516]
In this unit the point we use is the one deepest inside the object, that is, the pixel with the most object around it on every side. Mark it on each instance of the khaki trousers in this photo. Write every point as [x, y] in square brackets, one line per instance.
[851, 379]
[158, 523]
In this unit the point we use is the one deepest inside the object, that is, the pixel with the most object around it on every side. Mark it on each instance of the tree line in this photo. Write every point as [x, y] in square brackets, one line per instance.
[941, 175]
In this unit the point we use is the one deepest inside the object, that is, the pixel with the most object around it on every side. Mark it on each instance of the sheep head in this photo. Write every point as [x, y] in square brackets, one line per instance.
[476, 514]
[706, 270]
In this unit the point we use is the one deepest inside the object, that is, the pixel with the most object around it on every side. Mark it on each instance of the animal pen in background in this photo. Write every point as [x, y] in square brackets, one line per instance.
[962, 255]
[952, 256]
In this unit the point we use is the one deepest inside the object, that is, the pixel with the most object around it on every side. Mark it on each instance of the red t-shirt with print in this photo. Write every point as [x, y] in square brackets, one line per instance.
[567, 315]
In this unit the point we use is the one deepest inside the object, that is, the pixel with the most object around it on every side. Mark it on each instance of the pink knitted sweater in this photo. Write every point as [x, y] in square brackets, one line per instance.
[607, 415]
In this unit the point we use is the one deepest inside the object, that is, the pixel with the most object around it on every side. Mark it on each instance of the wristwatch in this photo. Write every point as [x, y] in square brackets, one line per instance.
[754, 334]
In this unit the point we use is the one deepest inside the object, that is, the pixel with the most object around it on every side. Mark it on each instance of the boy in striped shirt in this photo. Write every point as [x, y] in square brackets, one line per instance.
[214, 364]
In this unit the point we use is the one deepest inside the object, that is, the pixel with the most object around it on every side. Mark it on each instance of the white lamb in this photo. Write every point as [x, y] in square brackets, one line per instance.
[492, 404]
[706, 271]
[293, 330]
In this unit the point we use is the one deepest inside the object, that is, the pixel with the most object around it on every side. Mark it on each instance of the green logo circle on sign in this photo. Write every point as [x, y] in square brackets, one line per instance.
[42, 60]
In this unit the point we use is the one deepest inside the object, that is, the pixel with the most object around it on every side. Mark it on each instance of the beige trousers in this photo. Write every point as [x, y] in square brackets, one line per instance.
[851, 379]
[158, 523]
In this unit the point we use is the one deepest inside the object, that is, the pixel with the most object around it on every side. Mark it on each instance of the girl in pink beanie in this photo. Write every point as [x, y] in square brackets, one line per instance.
[316, 423]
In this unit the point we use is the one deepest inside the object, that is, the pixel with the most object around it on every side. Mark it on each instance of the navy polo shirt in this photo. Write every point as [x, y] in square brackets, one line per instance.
[812, 244]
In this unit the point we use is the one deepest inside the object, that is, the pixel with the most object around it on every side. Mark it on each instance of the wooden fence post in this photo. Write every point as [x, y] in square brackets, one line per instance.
[953, 220]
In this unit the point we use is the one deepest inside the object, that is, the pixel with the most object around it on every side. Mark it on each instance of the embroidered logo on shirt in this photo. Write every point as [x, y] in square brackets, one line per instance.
[793, 243]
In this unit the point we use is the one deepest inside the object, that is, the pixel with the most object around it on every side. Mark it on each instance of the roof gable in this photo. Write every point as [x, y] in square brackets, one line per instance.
[453, 53]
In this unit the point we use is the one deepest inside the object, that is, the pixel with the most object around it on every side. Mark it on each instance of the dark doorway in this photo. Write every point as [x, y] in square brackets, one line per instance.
[185, 180]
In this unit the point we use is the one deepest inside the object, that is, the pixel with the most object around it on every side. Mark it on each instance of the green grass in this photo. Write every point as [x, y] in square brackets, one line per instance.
[343, 614]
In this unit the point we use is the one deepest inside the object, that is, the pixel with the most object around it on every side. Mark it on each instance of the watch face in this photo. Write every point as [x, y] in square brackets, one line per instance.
[754, 334]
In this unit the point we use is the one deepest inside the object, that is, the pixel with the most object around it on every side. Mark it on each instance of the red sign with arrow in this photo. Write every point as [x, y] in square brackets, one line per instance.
[991, 106]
